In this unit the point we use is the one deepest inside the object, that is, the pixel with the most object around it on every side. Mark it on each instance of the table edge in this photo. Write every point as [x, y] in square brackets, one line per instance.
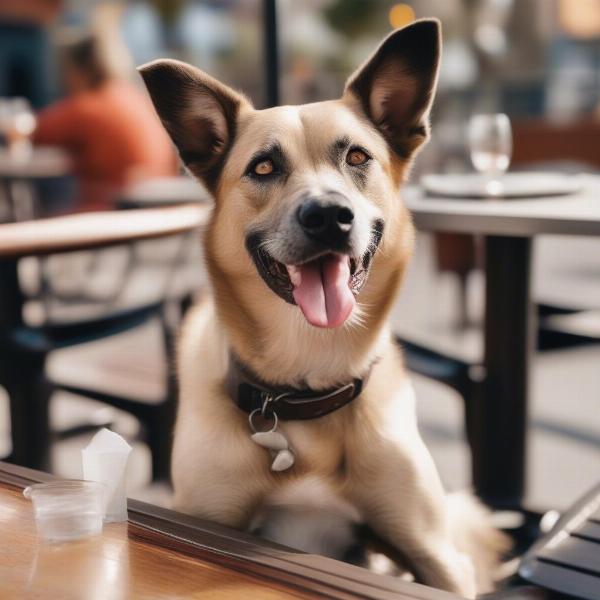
[47, 236]
[436, 214]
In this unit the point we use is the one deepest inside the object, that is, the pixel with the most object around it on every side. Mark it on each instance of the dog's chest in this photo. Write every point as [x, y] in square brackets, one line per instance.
[318, 446]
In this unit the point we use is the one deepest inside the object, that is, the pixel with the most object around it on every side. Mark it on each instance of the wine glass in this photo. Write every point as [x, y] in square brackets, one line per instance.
[5, 118]
[17, 124]
[490, 142]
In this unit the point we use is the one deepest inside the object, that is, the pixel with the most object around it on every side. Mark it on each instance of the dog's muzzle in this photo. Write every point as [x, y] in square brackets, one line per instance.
[326, 284]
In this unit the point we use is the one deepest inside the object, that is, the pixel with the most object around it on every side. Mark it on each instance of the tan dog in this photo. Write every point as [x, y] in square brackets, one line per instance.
[306, 207]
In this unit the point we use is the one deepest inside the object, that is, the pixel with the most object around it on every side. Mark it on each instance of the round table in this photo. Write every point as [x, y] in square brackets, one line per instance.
[17, 173]
[44, 161]
[22, 376]
[508, 227]
[163, 191]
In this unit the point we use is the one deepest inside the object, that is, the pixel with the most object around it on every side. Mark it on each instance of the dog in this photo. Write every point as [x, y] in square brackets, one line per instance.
[296, 414]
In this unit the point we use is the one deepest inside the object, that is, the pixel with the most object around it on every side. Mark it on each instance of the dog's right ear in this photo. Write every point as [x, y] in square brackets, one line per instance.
[198, 112]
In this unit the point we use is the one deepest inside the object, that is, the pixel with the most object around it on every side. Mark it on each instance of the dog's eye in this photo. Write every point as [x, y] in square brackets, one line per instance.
[357, 157]
[264, 167]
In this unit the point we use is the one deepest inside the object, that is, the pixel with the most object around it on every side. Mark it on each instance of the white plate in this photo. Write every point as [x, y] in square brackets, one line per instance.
[510, 185]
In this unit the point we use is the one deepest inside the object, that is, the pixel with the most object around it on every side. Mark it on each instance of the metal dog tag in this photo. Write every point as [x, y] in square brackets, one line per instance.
[283, 460]
[274, 441]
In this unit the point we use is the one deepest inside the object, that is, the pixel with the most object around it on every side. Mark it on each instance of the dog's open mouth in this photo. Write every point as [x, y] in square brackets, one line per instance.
[324, 288]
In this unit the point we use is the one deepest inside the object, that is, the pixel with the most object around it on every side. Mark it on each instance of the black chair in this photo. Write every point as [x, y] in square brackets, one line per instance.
[25, 348]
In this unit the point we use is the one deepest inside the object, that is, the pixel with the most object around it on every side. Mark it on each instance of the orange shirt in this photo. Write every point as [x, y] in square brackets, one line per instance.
[113, 136]
[34, 12]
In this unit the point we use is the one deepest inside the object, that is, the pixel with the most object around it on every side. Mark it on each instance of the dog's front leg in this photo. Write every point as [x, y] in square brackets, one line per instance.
[228, 498]
[219, 477]
[395, 484]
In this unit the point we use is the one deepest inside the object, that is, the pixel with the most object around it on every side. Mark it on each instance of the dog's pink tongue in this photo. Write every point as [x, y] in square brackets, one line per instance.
[321, 290]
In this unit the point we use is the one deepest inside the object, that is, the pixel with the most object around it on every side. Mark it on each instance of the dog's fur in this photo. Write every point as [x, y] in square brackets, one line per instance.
[365, 462]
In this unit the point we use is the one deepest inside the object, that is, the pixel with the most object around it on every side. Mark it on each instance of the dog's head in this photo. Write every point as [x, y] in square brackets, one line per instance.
[306, 196]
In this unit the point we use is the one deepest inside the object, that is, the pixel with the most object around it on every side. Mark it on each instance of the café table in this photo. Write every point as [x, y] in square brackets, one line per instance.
[18, 172]
[23, 375]
[162, 191]
[508, 228]
[159, 553]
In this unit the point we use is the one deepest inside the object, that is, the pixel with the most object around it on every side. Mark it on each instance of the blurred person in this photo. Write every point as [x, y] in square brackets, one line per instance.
[107, 125]
[25, 48]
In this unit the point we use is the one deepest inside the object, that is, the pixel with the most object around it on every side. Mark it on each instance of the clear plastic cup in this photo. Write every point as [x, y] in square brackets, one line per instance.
[67, 510]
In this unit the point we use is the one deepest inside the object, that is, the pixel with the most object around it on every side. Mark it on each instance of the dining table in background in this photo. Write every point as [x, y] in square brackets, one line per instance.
[19, 173]
[162, 191]
[498, 429]
[22, 374]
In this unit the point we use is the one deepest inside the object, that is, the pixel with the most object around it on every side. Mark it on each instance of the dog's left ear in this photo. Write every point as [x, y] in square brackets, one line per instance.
[395, 87]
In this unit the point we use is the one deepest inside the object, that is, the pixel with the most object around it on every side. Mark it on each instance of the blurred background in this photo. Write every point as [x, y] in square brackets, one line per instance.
[69, 92]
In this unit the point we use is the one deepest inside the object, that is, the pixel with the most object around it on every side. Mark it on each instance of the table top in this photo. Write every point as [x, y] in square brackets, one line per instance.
[94, 230]
[576, 214]
[162, 554]
[163, 191]
[44, 161]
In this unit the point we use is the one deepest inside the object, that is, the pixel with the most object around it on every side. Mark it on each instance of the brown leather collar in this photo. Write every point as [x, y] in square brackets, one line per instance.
[290, 404]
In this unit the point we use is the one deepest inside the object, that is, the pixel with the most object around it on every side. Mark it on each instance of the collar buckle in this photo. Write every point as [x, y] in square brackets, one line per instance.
[270, 400]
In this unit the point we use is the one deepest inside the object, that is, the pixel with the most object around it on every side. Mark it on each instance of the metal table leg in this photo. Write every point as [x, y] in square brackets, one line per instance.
[22, 375]
[271, 53]
[500, 415]
[7, 198]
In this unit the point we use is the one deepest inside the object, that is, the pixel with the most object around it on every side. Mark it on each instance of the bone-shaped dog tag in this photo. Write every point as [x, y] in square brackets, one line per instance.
[284, 459]
[275, 442]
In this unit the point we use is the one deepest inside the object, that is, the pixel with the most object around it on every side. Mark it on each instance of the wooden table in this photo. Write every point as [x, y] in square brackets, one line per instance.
[17, 173]
[508, 227]
[22, 375]
[163, 554]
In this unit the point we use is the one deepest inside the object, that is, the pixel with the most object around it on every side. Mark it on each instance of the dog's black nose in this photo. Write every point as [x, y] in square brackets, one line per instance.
[327, 220]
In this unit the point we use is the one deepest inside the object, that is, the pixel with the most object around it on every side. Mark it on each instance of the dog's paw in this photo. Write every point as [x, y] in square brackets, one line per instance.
[468, 576]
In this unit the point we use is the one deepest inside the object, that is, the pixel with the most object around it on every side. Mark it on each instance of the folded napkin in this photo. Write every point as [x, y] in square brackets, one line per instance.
[105, 460]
